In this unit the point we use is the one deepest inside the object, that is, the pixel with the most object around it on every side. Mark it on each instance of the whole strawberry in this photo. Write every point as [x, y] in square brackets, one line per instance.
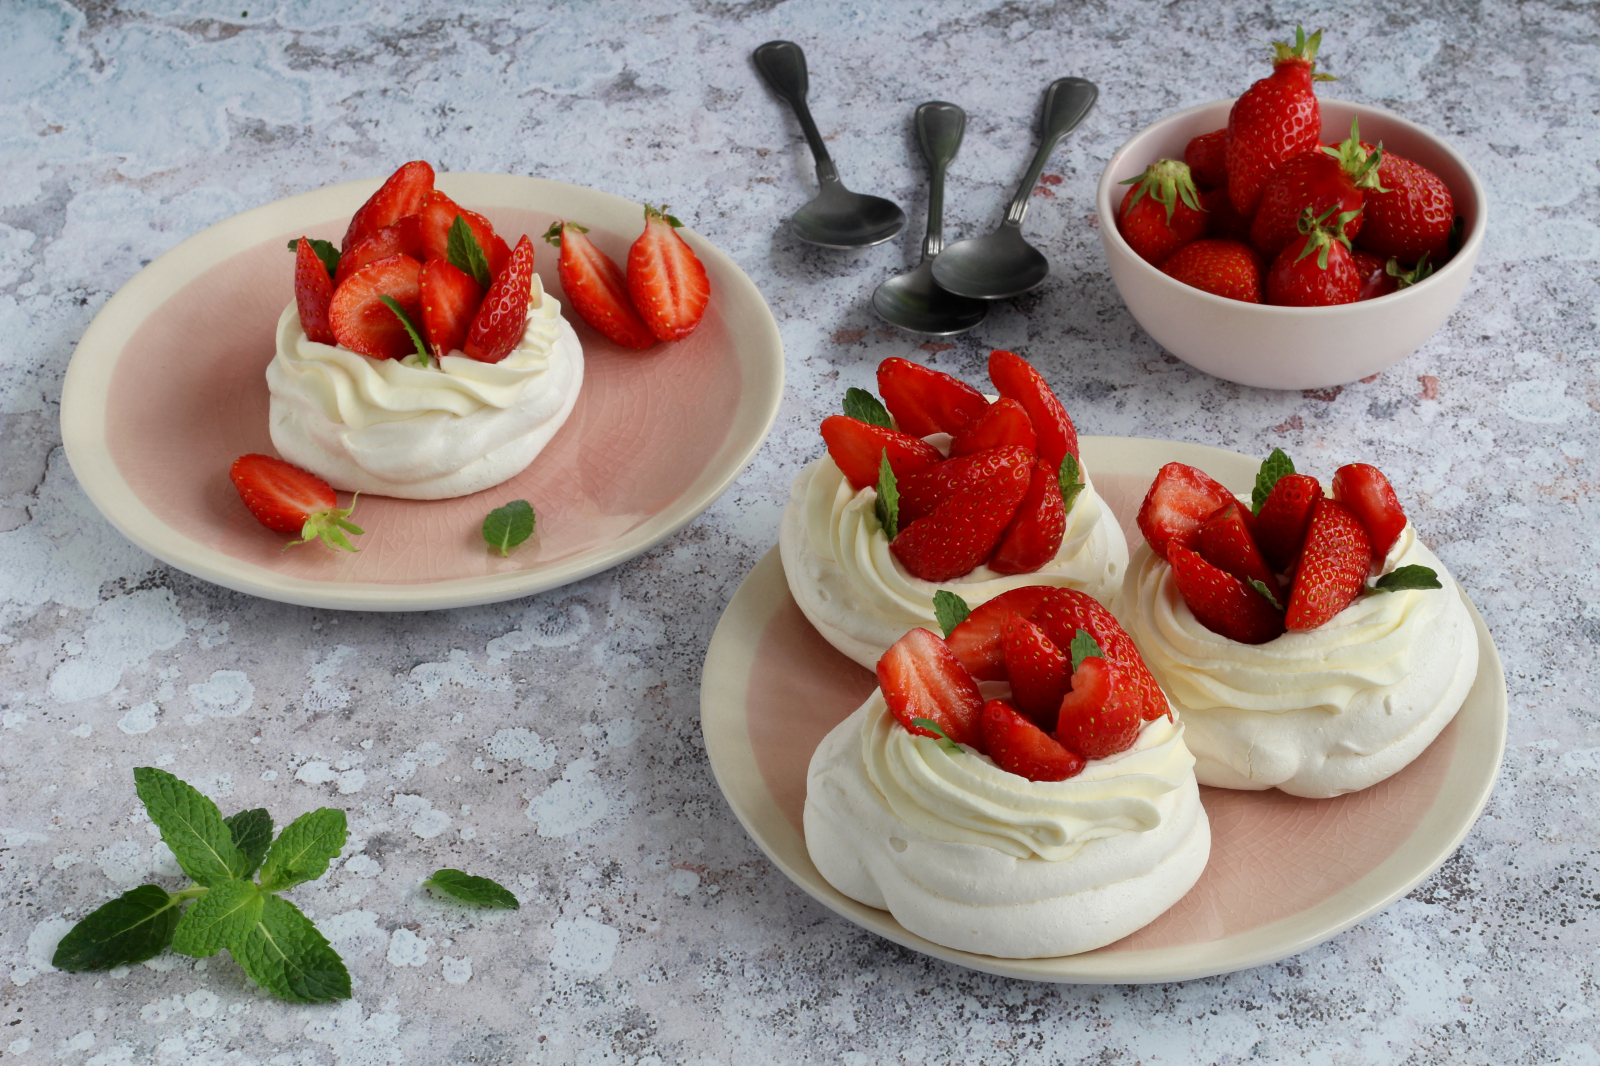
[1276, 118]
[1411, 215]
[1161, 212]
[1315, 270]
[1320, 180]
[1207, 159]
[1224, 268]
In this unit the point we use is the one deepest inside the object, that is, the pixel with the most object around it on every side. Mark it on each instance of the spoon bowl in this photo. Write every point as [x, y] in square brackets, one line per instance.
[914, 302]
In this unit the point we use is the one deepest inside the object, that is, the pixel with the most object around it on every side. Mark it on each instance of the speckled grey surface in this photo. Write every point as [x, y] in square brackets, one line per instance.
[554, 742]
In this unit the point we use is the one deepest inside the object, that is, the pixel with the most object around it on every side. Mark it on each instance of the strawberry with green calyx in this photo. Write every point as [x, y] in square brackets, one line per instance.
[1324, 180]
[1161, 212]
[1207, 156]
[1276, 119]
[1380, 277]
[401, 195]
[1315, 270]
[596, 287]
[1333, 566]
[287, 499]
[1015, 378]
[666, 281]
[1284, 518]
[921, 678]
[925, 401]
[1223, 603]
[963, 531]
[1039, 672]
[1223, 268]
[1003, 424]
[503, 315]
[1034, 535]
[920, 493]
[1020, 747]
[1411, 216]
[313, 291]
[855, 448]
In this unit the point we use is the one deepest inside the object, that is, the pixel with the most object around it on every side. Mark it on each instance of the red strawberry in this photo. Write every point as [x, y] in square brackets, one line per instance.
[963, 530]
[1161, 212]
[920, 678]
[924, 401]
[450, 301]
[921, 493]
[1226, 223]
[1285, 516]
[1035, 533]
[402, 238]
[364, 323]
[857, 449]
[1333, 566]
[1040, 673]
[286, 499]
[1375, 278]
[1225, 542]
[978, 641]
[1223, 268]
[1371, 499]
[1002, 424]
[1276, 118]
[1207, 159]
[1062, 612]
[1323, 180]
[503, 315]
[1180, 498]
[1098, 717]
[398, 197]
[1018, 746]
[665, 278]
[1411, 216]
[438, 213]
[313, 293]
[1014, 378]
[1314, 270]
[596, 287]
[1221, 602]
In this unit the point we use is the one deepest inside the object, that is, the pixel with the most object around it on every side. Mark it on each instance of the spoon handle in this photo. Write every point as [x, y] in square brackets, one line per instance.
[940, 127]
[1066, 102]
[782, 66]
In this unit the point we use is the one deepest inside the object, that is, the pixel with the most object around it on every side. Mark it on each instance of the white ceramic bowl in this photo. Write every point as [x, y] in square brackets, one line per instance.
[1290, 347]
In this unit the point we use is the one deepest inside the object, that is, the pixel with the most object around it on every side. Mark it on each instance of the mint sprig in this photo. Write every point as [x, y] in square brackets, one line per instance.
[1275, 466]
[933, 727]
[506, 527]
[862, 406]
[252, 835]
[1071, 479]
[951, 610]
[1413, 576]
[411, 327]
[470, 888]
[324, 249]
[136, 926]
[464, 253]
[1084, 646]
[888, 506]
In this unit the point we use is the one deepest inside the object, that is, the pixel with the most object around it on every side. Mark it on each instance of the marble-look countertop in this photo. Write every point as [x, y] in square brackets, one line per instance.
[554, 742]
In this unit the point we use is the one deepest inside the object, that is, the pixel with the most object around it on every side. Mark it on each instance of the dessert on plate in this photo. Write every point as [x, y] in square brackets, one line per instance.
[939, 487]
[1288, 668]
[1019, 789]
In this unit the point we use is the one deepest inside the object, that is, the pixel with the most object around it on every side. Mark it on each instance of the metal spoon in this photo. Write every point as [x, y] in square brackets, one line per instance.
[837, 218]
[912, 301]
[1003, 264]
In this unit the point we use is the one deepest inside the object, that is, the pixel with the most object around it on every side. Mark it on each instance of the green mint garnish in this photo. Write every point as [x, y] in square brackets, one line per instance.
[888, 505]
[135, 926]
[933, 727]
[304, 849]
[190, 825]
[1084, 647]
[1261, 587]
[285, 954]
[862, 406]
[463, 253]
[1414, 576]
[222, 916]
[405, 320]
[951, 610]
[252, 835]
[506, 527]
[325, 252]
[1275, 466]
[471, 889]
[1071, 478]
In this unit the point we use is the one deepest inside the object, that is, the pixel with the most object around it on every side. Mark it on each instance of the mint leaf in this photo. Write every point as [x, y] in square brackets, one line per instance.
[463, 252]
[190, 825]
[325, 252]
[1261, 587]
[252, 835]
[1414, 576]
[405, 320]
[1084, 647]
[218, 918]
[951, 610]
[471, 889]
[303, 850]
[285, 954]
[888, 505]
[135, 926]
[1071, 478]
[933, 727]
[506, 527]
[862, 406]
[1275, 466]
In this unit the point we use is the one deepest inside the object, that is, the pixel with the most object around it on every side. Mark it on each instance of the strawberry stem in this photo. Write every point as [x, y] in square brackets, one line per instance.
[330, 527]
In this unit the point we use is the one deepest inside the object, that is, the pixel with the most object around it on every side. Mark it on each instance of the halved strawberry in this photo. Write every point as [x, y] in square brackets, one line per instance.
[921, 678]
[979, 640]
[925, 401]
[1180, 498]
[286, 499]
[665, 278]
[1018, 746]
[1061, 612]
[921, 493]
[1333, 566]
[1225, 542]
[1035, 533]
[503, 315]
[1285, 516]
[1099, 717]
[1002, 424]
[596, 288]
[438, 213]
[364, 323]
[404, 237]
[313, 293]
[1221, 602]
[1040, 673]
[963, 530]
[396, 198]
[858, 447]
[1016, 379]
[1369, 495]
[450, 301]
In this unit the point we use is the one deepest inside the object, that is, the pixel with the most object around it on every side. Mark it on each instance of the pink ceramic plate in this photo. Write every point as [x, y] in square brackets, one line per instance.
[166, 389]
[1285, 873]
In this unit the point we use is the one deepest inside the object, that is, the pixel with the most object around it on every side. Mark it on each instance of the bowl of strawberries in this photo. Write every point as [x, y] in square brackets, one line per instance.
[1286, 242]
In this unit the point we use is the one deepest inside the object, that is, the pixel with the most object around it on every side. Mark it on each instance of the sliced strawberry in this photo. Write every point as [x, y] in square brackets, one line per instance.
[1221, 602]
[921, 678]
[503, 315]
[665, 278]
[438, 213]
[963, 530]
[921, 493]
[1333, 566]
[1002, 424]
[1035, 533]
[398, 197]
[450, 301]
[286, 499]
[1369, 495]
[364, 323]
[924, 401]
[1016, 379]
[858, 448]
[1285, 516]
[1225, 542]
[1099, 717]
[404, 237]
[1040, 673]
[596, 287]
[1019, 747]
[313, 293]
[979, 640]
[1062, 612]
[1180, 498]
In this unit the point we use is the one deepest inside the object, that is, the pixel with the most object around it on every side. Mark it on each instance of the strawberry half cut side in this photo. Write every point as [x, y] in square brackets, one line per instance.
[401, 238]
[1019, 747]
[1285, 516]
[450, 301]
[1368, 494]
[857, 449]
[1097, 719]
[364, 323]
[921, 678]
[596, 288]
[666, 279]
[1180, 498]
[399, 196]
[1333, 566]
[978, 642]
[924, 401]
[313, 293]
[287, 499]
[1221, 602]
[438, 213]
[1015, 378]
[503, 316]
